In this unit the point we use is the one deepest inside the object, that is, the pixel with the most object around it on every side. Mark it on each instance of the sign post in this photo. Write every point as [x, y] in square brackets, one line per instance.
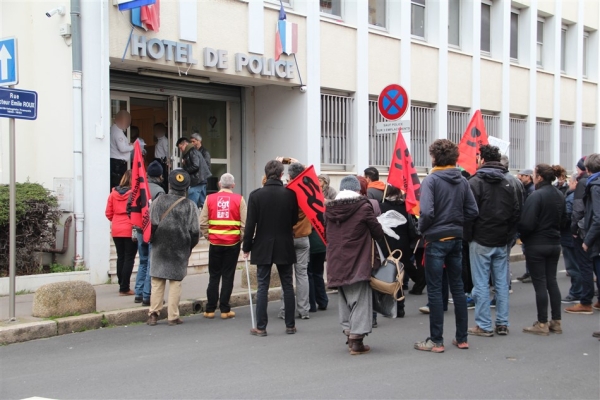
[12, 221]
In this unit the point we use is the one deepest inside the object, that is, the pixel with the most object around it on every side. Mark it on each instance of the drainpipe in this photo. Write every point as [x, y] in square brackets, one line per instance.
[77, 131]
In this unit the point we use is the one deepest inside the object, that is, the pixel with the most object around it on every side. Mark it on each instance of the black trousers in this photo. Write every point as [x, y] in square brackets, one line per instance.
[466, 268]
[263, 273]
[586, 269]
[317, 295]
[117, 169]
[543, 261]
[222, 261]
[126, 251]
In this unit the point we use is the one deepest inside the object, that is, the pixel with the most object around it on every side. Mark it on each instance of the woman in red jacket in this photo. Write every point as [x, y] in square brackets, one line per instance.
[121, 229]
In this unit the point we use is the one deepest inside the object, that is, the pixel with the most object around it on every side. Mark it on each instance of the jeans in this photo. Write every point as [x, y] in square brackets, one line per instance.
[317, 294]
[302, 247]
[202, 197]
[573, 271]
[486, 260]
[263, 275]
[543, 262]
[143, 284]
[194, 193]
[126, 251]
[222, 261]
[438, 254]
[586, 272]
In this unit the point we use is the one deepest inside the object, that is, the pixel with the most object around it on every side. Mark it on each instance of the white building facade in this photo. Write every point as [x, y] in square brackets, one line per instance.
[530, 66]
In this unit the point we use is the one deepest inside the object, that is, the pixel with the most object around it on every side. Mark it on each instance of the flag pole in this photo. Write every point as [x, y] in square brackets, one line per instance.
[250, 295]
[298, 69]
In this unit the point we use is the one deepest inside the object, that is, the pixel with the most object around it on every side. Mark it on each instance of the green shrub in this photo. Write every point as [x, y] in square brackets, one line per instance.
[37, 216]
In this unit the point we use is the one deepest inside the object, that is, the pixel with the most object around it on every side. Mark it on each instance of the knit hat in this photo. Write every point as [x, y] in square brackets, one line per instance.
[581, 163]
[179, 180]
[350, 182]
[155, 169]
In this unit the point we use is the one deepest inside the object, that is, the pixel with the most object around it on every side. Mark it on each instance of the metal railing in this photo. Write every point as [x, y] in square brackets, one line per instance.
[457, 123]
[517, 138]
[492, 125]
[336, 129]
[543, 141]
[566, 146]
[588, 140]
[422, 134]
[381, 147]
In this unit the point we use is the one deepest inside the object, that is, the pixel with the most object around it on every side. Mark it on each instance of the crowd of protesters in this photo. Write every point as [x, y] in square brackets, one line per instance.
[459, 244]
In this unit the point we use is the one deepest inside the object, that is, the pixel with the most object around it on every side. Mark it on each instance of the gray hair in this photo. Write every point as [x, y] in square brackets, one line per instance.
[592, 163]
[227, 181]
[197, 136]
[504, 161]
[295, 169]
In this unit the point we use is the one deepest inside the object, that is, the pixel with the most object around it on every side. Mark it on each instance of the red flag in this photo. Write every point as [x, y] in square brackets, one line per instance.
[403, 175]
[140, 194]
[474, 137]
[310, 198]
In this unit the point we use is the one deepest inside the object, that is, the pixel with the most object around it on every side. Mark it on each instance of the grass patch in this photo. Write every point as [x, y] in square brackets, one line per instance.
[24, 291]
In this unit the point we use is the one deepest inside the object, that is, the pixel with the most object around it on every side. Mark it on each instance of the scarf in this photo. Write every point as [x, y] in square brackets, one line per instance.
[592, 177]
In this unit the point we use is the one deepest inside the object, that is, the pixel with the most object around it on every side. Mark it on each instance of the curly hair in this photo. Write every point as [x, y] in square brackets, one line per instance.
[489, 153]
[444, 153]
[549, 172]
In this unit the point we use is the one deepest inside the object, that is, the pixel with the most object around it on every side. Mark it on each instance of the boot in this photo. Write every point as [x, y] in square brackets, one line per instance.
[152, 319]
[357, 345]
[555, 327]
[538, 328]
[348, 342]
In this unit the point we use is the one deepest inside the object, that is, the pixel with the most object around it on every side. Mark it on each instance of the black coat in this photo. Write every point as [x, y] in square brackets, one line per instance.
[407, 235]
[592, 218]
[272, 214]
[195, 165]
[542, 216]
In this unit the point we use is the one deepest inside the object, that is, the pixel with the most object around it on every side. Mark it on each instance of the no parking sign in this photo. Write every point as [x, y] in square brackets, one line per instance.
[392, 105]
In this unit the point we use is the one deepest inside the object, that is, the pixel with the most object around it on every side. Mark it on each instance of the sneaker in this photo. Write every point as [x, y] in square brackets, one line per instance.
[461, 345]
[524, 276]
[493, 303]
[538, 328]
[555, 326]
[305, 316]
[227, 315]
[470, 304]
[137, 299]
[281, 315]
[424, 310]
[146, 303]
[257, 332]
[501, 330]
[291, 331]
[569, 299]
[477, 331]
[527, 280]
[429, 345]
[580, 309]
[596, 305]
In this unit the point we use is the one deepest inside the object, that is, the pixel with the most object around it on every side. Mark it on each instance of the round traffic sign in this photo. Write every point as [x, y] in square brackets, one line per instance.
[393, 102]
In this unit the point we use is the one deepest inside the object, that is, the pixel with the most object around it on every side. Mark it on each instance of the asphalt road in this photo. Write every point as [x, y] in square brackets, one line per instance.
[219, 359]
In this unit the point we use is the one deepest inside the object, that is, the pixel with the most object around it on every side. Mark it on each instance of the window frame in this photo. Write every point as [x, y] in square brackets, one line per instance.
[540, 62]
[487, 53]
[452, 45]
[385, 18]
[585, 56]
[516, 12]
[332, 15]
[416, 3]
[563, 48]
[287, 4]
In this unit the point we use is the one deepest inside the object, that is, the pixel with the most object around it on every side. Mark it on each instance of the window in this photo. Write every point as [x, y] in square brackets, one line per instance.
[381, 146]
[417, 20]
[588, 133]
[514, 35]
[423, 133]
[336, 128]
[543, 139]
[517, 137]
[331, 7]
[586, 39]
[454, 22]
[457, 123]
[377, 13]
[567, 131]
[486, 43]
[563, 48]
[540, 41]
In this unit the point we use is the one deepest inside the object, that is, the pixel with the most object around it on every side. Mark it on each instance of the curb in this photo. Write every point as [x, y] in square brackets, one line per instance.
[516, 257]
[25, 332]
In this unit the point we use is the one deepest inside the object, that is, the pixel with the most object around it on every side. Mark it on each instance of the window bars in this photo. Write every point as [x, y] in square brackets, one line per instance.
[566, 146]
[588, 134]
[336, 129]
[457, 123]
[517, 138]
[422, 134]
[543, 141]
[381, 146]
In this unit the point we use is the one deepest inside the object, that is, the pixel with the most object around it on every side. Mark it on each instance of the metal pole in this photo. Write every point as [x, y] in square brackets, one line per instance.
[250, 294]
[12, 220]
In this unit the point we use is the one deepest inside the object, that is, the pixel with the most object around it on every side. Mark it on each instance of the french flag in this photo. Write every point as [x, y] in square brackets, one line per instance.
[286, 36]
[129, 4]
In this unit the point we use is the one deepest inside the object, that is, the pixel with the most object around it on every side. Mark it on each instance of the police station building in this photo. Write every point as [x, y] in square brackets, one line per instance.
[211, 67]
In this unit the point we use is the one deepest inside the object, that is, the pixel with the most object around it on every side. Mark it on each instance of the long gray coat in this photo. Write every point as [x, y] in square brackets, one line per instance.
[174, 238]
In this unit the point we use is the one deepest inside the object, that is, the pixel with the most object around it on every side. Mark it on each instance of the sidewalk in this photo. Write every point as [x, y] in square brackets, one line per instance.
[113, 309]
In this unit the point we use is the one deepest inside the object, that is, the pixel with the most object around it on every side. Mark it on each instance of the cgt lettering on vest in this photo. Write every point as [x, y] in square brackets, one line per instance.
[253, 64]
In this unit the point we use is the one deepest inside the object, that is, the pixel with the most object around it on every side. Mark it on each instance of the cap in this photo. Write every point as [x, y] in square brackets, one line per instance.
[179, 180]
[526, 172]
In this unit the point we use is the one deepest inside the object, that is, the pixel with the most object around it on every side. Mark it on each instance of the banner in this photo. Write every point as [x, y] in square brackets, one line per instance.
[475, 135]
[403, 175]
[139, 204]
[310, 199]
[499, 143]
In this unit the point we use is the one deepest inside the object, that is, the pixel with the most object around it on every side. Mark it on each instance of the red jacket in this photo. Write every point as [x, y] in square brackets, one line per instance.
[116, 212]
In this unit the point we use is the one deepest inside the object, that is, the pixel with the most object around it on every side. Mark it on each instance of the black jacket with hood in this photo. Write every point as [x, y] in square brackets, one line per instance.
[592, 217]
[578, 205]
[195, 165]
[542, 216]
[446, 204]
[498, 206]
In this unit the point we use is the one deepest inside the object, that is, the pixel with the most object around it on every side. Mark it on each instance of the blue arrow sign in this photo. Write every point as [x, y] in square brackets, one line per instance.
[20, 104]
[8, 62]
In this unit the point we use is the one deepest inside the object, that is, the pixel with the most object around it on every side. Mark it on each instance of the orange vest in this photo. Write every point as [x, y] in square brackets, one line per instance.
[224, 218]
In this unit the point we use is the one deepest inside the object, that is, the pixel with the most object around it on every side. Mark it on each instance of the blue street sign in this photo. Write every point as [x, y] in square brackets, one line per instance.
[15, 103]
[8, 62]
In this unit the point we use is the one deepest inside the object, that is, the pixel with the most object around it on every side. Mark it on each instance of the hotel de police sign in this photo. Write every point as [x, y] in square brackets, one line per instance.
[183, 53]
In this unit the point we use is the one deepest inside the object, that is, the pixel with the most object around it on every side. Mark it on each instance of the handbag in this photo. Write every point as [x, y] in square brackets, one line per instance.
[389, 276]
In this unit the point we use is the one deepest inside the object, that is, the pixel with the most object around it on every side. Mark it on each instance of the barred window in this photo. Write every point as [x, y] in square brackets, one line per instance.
[566, 145]
[381, 146]
[336, 129]
[543, 139]
[588, 135]
[492, 125]
[457, 123]
[518, 135]
[422, 134]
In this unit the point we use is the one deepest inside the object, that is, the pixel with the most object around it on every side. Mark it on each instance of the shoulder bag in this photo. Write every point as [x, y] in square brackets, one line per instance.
[389, 276]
